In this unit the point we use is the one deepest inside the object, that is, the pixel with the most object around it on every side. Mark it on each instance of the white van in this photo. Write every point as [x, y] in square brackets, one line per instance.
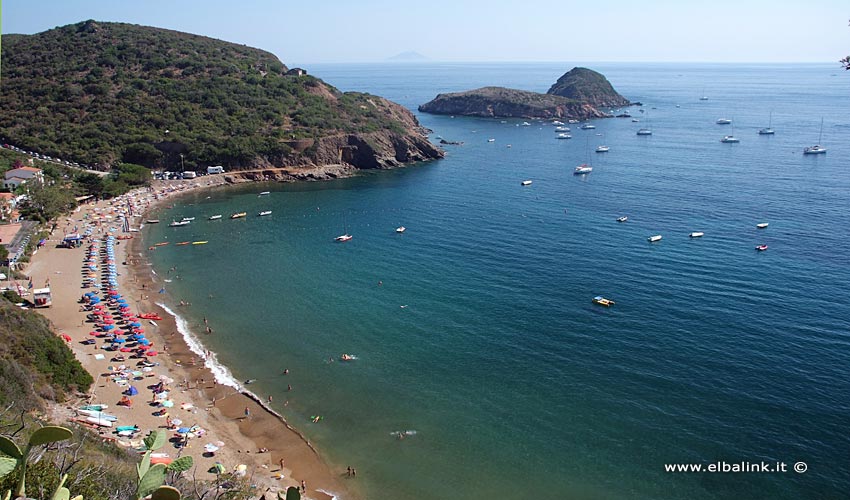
[218, 169]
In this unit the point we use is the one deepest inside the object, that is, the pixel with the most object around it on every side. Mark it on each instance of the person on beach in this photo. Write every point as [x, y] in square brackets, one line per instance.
[288, 387]
[247, 412]
[270, 399]
[303, 486]
[349, 471]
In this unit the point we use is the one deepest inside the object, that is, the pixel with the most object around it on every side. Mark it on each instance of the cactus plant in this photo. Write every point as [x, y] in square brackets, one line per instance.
[151, 477]
[165, 493]
[292, 493]
[44, 435]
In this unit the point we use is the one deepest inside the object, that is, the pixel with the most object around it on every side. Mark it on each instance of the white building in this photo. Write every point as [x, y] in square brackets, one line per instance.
[18, 176]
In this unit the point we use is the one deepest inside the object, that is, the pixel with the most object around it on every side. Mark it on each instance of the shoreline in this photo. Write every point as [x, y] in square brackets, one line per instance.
[232, 413]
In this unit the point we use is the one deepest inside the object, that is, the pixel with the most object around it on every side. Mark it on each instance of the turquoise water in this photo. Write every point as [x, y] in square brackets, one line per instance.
[513, 382]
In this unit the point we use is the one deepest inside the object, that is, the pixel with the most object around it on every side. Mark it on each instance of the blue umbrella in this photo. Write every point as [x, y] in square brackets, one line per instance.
[108, 327]
[136, 324]
[145, 342]
[119, 340]
[131, 391]
[183, 430]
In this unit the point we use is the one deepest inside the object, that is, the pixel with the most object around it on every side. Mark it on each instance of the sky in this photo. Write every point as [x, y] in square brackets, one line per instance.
[336, 31]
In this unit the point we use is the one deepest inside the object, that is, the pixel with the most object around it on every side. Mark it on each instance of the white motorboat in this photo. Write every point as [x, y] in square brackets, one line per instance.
[152, 221]
[622, 219]
[703, 98]
[762, 225]
[400, 229]
[644, 131]
[562, 129]
[557, 122]
[491, 140]
[584, 168]
[526, 124]
[723, 121]
[653, 239]
[343, 237]
[264, 193]
[179, 223]
[768, 130]
[602, 149]
[190, 219]
[587, 126]
[526, 183]
[215, 217]
[564, 136]
[697, 234]
[730, 138]
[264, 212]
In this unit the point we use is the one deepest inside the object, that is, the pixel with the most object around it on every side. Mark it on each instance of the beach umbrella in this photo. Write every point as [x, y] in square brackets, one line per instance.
[218, 468]
[136, 324]
[108, 327]
[184, 430]
[126, 349]
[131, 391]
[210, 448]
[151, 353]
[166, 379]
[145, 342]
[147, 369]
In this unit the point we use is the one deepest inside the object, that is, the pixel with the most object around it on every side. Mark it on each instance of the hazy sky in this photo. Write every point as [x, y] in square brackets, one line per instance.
[303, 32]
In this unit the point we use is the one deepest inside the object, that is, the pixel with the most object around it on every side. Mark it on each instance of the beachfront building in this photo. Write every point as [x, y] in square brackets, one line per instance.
[22, 175]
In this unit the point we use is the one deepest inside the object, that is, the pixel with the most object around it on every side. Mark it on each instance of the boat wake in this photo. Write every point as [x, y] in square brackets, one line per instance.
[399, 434]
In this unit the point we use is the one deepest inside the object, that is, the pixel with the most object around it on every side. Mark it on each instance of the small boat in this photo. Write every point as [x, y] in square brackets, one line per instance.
[215, 217]
[400, 229]
[343, 238]
[491, 140]
[762, 225]
[602, 149]
[526, 124]
[152, 221]
[162, 244]
[99, 421]
[622, 219]
[572, 121]
[644, 131]
[190, 219]
[98, 414]
[526, 183]
[564, 136]
[817, 148]
[761, 248]
[264, 212]
[635, 120]
[264, 193]
[557, 122]
[769, 129]
[602, 301]
[200, 242]
[182, 243]
[96, 407]
[730, 139]
[653, 239]
[703, 98]
[584, 168]
[239, 215]
[179, 223]
[723, 121]
[347, 357]
[562, 129]
[697, 234]
[587, 126]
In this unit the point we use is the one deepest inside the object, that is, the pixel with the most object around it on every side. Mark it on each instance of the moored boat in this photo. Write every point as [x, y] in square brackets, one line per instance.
[696, 234]
[264, 212]
[215, 217]
[182, 243]
[564, 136]
[200, 242]
[761, 248]
[400, 229]
[723, 121]
[729, 139]
[622, 219]
[602, 301]
[343, 237]
[644, 131]
[584, 168]
[179, 223]
[602, 149]
[239, 215]
[814, 150]
[264, 193]
[587, 126]
[152, 221]
[526, 183]
[189, 219]
[653, 239]
[762, 225]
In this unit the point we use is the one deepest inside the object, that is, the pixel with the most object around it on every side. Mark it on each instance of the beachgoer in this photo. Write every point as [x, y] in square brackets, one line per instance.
[353, 471]
[286, 371]
[270, 398]
[349, 471]
[288, 387]
[281, 464]
[303, 486]
[247, 412]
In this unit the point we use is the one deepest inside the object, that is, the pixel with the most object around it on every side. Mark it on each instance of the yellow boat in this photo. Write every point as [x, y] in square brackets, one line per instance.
[199, 242]
[602, 301]
[239, 215]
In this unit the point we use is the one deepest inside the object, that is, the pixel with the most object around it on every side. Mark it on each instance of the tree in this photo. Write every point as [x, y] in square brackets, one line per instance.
[90, 184]
[47, 202]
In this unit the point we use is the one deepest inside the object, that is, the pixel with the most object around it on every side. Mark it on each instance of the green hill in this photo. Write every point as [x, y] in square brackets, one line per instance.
[101, 93]
[588, 86]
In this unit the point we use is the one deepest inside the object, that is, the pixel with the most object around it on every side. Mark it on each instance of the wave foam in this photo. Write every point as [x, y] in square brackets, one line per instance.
[220, 372]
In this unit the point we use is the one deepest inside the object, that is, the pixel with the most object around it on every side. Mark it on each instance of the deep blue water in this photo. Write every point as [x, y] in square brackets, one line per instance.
[516, 385]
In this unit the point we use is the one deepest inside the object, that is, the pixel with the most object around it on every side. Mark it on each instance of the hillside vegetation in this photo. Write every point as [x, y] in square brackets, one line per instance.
[102, 93]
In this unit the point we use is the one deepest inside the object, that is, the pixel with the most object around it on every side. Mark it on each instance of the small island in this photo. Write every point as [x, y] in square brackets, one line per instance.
[577, 95]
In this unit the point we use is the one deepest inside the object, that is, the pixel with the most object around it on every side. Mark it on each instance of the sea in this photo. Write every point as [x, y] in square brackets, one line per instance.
[482, 367]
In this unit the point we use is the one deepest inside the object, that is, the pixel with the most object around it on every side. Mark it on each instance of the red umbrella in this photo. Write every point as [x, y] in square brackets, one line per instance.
[151, 353]
[66, 337]
[94, 333]
[125, 349]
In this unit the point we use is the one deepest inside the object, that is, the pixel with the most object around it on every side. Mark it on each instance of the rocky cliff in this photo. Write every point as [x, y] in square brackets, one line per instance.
[509, 103]
[588, 86]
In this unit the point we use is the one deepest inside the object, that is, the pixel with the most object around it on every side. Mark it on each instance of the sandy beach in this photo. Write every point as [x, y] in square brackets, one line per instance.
[244, 431]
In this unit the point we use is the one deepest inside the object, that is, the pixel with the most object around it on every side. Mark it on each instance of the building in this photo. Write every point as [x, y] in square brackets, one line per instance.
[296, 72]
[22, 175]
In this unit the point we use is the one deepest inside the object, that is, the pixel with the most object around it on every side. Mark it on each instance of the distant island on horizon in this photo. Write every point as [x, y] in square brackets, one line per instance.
[408, 56]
